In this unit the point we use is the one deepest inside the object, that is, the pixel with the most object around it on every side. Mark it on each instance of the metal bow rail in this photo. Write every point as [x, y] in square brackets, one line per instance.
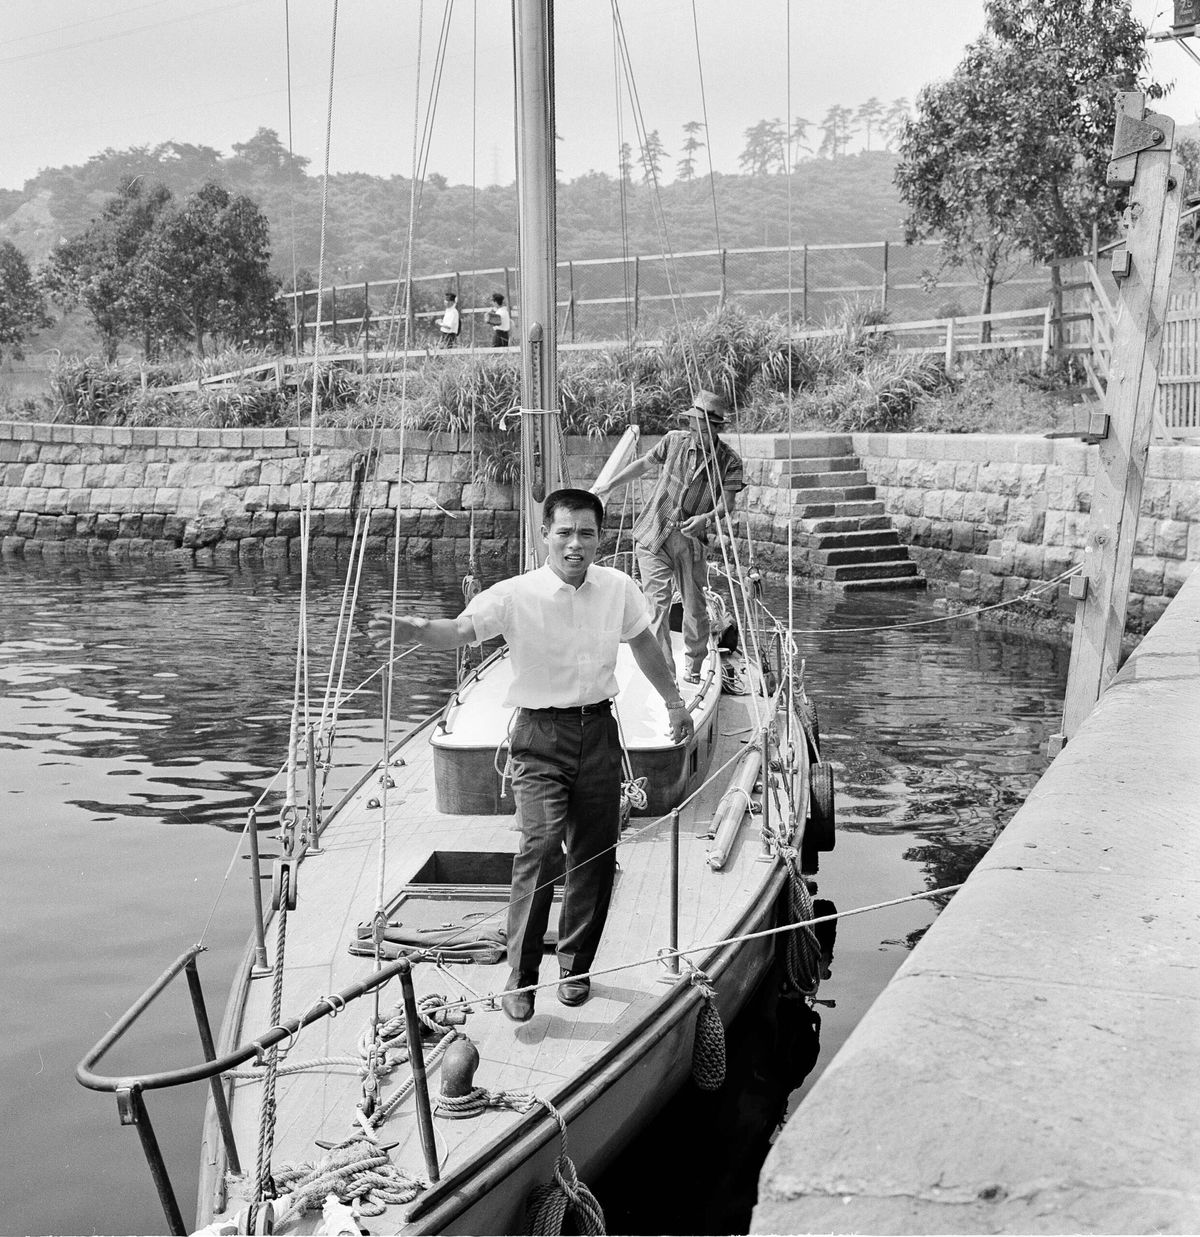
[131, 1106]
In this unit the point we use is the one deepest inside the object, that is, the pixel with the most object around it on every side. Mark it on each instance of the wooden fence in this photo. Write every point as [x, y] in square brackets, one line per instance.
[1087, 318]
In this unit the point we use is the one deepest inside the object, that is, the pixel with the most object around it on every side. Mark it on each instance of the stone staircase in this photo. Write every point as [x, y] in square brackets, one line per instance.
[841, 532]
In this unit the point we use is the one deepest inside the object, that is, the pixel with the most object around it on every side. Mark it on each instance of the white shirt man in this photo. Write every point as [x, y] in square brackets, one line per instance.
[564, 623]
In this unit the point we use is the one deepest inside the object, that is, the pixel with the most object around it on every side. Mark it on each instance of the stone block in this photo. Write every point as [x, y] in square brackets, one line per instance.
[108, 525]
[1175, 573]
[373, 494]
[1034, 450]
[419, 548]
[1165, 462]
[174, 527]
[287, 523]
[1153, 609]
[452, 468]
[79, 501]
[153, 525]
[431, 524]
[246, 473]
[1157, 499]
[1030, 561]
[256, 497]
[333, 495]
[1147, 575]
[284, 470]
[263, 524]
[1170, 539]
[339, 523]
[932, 506]
[1185, 501]
[237, 525]
[954, 507]
[275, 547]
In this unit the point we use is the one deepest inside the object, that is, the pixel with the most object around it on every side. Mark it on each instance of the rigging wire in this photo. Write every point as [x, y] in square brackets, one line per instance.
[712, 180]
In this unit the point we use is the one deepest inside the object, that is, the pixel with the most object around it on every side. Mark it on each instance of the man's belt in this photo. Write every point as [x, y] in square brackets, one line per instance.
[574, 710]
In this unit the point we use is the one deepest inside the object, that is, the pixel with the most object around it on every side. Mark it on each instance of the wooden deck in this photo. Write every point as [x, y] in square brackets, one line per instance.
[338, 890]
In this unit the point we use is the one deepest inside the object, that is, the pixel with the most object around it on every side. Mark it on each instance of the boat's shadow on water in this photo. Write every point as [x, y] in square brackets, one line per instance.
[695, 1167]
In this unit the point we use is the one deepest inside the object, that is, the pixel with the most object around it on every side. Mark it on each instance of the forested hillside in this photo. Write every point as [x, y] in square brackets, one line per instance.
[844, 199]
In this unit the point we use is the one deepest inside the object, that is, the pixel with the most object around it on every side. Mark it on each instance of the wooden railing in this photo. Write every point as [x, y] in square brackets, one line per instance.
[938, 336]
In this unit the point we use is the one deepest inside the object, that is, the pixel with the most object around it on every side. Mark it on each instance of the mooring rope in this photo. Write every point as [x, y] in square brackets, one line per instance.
[264, 1187]
[355, 1169]
[549, 1203]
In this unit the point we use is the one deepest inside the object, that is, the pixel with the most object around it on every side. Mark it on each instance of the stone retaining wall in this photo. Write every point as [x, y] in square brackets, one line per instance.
[124, 491]
[988, 516]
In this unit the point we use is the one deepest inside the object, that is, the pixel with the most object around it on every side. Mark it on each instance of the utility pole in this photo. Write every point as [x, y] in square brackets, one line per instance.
[1141, 159]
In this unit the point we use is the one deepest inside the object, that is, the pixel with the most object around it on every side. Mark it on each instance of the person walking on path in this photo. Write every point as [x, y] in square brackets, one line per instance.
[500, 320]
[449, 324]
[699, 477]
[564, 622]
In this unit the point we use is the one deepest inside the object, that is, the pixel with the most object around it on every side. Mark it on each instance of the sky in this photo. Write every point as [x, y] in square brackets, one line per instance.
[79, 76]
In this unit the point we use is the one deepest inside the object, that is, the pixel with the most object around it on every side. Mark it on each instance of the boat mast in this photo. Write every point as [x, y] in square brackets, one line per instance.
[541, 463]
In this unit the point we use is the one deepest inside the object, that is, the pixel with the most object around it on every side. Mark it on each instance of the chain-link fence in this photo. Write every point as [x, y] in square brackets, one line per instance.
[601, 299]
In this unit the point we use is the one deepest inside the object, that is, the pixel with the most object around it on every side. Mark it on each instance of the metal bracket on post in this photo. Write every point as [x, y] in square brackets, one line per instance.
[1141, 158]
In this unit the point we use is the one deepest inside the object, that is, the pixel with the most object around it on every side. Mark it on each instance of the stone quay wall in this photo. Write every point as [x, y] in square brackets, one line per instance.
[238, 493]
[986, 517]
[989, 516]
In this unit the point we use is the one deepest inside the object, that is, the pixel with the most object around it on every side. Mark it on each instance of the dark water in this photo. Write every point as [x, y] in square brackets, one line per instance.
[143, 708]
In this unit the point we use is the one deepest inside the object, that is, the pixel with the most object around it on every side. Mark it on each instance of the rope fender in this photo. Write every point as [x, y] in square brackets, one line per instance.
[708, 1046]
[803, 949]
[548, 1204]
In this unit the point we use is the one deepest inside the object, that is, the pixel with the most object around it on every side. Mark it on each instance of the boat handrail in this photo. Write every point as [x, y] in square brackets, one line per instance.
[129, 1088]
[214, 1066]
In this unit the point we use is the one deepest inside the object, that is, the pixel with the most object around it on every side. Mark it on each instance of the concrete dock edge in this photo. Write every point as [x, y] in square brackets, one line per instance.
[1034, 1066]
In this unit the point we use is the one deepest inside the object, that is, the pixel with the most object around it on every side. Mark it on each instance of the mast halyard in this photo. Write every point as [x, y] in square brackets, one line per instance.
[537, 254]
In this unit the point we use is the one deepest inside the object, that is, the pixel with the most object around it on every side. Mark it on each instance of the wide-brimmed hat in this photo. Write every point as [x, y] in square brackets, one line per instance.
[710, 405]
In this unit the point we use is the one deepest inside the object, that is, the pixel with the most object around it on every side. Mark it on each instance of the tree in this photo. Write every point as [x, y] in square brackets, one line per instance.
[894, 120]
[625, 158]
[870, 117]
[266, 155]
[98, 267]
[686, 168]
[22, 310]
[1014, 146]
[653, 153]
[799, 138]
[836, 131]
[206, 270]
[764, 150]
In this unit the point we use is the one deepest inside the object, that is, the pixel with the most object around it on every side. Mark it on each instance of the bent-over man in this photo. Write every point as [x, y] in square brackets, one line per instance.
[563, 622]
[699, 476]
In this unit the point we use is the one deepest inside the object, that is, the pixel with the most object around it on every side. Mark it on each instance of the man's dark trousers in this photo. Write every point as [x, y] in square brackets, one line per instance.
[567, 786]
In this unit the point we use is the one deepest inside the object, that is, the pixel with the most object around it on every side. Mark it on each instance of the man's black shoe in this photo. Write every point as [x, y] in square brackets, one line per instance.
[518, 1005]
[573, 989]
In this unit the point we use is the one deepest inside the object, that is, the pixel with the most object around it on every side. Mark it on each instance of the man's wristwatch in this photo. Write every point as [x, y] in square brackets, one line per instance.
[675, 704]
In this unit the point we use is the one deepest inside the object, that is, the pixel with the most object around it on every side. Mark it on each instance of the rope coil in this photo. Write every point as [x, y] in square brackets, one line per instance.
[354, 1170]
[478, 1100]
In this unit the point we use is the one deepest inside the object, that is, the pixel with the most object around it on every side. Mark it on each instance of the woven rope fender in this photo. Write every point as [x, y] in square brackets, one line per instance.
[548, 1204]
[803, 948]
[708, 1047]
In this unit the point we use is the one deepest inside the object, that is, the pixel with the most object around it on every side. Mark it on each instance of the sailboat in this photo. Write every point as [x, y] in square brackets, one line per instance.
[430, 1112]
